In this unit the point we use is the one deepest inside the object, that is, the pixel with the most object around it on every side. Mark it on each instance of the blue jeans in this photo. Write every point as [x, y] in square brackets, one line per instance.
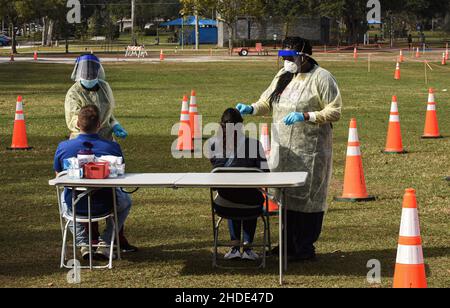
[249, 227]
[123, 210]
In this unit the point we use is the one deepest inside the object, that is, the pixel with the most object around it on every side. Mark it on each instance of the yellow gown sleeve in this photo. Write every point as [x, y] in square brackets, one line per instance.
[330, 99]
[72, 108]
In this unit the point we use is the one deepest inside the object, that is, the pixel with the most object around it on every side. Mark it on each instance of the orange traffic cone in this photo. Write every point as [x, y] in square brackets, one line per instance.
[417, 53]
[444, 60]
[431, 124]
[11, 58]
[354, 183]
[394, 144]
[273, 206]
[19, 140]
[401, 57]
[355, 54]
[185, 142]
[161, 55]
[410, 267]
[194, 118]
[397, 74]
[35, 57]
[265, 140]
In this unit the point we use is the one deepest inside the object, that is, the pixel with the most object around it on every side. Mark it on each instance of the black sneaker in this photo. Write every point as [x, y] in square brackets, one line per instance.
[127, 248]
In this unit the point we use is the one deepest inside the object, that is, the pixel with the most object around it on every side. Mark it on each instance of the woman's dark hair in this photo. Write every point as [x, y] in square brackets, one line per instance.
[294, 43]
[230, 116]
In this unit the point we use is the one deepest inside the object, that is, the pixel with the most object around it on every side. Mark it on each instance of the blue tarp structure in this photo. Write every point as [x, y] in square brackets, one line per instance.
[207, 31]
[189, 21]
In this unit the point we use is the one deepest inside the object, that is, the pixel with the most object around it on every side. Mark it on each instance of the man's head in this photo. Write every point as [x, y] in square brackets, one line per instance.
[89, 119]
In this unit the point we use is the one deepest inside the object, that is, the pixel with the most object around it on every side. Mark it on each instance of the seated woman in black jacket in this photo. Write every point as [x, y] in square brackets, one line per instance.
[238, 151]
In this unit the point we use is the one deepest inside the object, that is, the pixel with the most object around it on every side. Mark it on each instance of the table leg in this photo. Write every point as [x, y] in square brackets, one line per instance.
[116, 222]
[74, 211]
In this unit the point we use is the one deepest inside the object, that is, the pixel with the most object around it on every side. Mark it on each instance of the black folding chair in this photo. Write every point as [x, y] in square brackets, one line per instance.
[221, 210]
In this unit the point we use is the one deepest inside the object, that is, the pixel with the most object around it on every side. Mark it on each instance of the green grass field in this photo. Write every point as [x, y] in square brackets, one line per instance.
[173, 228]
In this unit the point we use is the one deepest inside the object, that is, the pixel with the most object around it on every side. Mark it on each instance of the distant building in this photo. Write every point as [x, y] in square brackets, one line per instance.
[318, 30]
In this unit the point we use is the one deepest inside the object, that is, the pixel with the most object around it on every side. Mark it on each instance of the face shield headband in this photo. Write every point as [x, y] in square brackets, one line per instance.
[88, 67]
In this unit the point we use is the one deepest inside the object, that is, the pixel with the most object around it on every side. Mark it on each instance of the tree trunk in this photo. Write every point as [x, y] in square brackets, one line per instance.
[44, 31]
[51, 25]
[230, 37]
[286, 28]
[14, 40]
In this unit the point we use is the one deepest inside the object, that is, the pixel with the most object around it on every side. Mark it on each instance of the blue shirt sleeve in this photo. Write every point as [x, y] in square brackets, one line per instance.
[57, 163]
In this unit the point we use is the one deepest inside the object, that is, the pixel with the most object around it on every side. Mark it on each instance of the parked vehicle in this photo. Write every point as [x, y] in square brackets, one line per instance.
[4, 40]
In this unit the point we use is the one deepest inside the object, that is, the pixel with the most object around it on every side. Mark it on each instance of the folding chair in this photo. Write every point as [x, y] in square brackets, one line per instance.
[217, 217]
[70, 218]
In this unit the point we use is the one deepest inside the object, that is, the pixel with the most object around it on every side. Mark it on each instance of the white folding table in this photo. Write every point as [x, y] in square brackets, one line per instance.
[281, 180]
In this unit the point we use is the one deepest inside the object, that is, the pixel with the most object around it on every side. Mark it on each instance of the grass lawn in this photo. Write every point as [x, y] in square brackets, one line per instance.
[173, 228]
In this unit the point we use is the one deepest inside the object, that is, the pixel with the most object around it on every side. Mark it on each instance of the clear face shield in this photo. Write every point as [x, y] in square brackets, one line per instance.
[88, 67]
[293, 60]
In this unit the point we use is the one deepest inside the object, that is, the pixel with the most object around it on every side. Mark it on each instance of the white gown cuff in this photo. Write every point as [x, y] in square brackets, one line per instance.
[254, 109]
[312, 117]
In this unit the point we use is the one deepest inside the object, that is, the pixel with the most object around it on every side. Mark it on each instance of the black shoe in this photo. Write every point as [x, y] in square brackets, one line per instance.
[127, 248]
[276, 252]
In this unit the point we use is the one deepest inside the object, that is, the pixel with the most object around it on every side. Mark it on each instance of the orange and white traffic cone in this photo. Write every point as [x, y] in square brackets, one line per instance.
[185, 142]
[409, 267]
[444, 60]
[355, 54]
[394, 144]
[12, 58]
[194, 117]
[431, 123]
[35, 57]
[418, 53]
[355, 189]
[401, 58]
[19, 140]
[162, 57]
[265, 140]
[397, 75]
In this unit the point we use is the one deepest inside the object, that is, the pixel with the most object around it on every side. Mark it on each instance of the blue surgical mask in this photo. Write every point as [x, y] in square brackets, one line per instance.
[89, 84]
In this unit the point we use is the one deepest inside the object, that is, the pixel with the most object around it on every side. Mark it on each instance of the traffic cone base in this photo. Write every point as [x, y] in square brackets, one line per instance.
[432, 137]
[410, 276]
[356, 200]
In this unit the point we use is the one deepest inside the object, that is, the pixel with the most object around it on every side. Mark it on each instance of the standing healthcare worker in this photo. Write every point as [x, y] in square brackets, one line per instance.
[305, 100]
[90, 88]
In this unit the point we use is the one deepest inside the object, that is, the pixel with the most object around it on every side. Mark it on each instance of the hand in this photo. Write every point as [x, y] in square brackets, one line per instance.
[293, 118]
[120, 132]
[244, 109]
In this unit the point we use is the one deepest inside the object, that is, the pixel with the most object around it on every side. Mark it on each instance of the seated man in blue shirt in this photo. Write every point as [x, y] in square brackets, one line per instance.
[89, 124]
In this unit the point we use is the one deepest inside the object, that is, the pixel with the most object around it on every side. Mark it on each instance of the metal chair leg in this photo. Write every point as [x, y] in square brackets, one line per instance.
[111, 248]
[64, 248]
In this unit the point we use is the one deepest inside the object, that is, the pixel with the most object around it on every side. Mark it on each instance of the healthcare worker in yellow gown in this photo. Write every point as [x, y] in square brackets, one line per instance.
[304, 100]
[90, 88]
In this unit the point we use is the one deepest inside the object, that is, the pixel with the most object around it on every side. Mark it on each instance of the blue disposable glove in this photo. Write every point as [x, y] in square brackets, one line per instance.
[244, 109]
[293, 118]
[119, 131]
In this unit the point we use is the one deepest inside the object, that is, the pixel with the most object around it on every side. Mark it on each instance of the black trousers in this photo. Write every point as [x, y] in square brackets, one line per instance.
[303, 230]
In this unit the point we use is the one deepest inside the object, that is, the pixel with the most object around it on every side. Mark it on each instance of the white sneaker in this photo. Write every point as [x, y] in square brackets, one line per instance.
[85, 253]
[250, 255]
[103, 252]
[233, 254]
